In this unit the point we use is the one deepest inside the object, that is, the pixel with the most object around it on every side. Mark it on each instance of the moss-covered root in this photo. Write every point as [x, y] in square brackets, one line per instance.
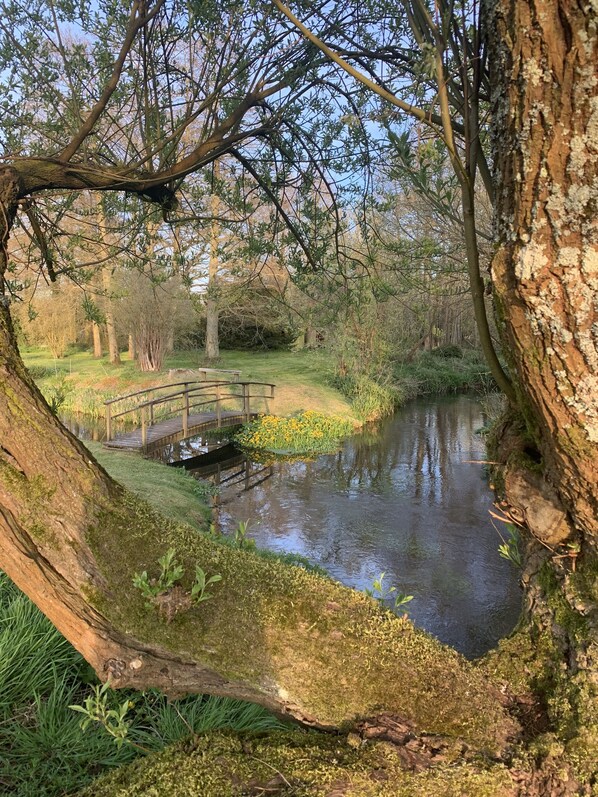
[301, 765]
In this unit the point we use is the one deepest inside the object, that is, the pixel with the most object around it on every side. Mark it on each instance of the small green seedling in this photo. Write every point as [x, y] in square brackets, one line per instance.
[401, 599]
[200, 585]
[382, 593]
[510, 547]
[241, 539]
[165, 591]
[170, 574]
[95, 709]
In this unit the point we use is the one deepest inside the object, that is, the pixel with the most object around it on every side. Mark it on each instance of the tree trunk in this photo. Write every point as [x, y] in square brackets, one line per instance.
[544, 58]
[97, 341]
[132, 350]
[311, 338]
[113, 351]
[212, 344]
[545, 270]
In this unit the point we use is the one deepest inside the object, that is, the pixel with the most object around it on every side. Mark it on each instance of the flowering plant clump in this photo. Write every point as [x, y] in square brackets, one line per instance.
[306, 432]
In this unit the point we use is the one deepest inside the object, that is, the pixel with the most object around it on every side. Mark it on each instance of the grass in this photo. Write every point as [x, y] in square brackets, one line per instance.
[43, 752]
[302, 378]
[305, 380]
[172, 491]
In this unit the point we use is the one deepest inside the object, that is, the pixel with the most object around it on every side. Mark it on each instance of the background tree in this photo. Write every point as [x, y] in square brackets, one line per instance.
[437, 61]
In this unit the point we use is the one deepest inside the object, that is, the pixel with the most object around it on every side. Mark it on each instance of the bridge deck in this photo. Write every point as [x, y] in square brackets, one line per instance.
[171, 430]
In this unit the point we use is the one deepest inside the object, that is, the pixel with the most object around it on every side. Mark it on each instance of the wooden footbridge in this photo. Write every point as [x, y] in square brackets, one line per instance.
[173, 412]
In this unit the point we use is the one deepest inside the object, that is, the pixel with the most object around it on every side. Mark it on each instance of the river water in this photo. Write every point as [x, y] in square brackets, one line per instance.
[407, 499]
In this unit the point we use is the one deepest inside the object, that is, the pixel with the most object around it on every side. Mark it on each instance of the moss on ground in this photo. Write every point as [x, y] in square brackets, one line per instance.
[555, 699]
[293, 634]
[297, 764]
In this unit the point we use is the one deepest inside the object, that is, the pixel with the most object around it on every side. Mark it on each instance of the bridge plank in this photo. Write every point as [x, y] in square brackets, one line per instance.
[171, 430]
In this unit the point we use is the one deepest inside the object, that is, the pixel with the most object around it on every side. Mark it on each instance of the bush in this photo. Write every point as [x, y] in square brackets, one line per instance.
[448, 350]
[370, 400]
[439, 375]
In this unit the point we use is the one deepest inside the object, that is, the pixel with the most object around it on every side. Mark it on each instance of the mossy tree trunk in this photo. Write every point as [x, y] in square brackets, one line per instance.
[544, 59]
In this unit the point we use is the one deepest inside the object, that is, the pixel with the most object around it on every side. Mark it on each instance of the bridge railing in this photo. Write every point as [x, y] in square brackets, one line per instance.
[151, 405]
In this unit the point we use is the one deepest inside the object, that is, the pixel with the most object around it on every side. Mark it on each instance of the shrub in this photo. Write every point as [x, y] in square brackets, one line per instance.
[370, 400]
[309, 431]
[448, 350]
[439, 375]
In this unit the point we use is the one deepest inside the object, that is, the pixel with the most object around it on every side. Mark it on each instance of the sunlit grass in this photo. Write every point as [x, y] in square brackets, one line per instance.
[302, 378]
[172, 491]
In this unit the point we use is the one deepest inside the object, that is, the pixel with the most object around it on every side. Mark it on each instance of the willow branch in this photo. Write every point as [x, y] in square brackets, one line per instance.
[136, 21]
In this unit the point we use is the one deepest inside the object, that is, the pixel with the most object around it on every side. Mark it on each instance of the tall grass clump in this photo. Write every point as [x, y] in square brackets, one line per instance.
[370, 399]
[43, 751]
[306, 432]
[441, 372]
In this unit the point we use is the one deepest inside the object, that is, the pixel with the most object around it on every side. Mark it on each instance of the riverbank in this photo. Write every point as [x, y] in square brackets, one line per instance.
[305, 380]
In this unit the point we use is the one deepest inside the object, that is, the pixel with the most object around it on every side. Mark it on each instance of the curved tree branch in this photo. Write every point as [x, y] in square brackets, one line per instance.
[137, 20]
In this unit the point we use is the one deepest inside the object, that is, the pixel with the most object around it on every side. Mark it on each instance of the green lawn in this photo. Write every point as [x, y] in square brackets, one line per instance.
[300, 378]
[171, 491]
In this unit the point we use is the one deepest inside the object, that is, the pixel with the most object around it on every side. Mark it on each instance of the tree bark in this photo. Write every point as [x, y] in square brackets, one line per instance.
[544, 58]
[97, 340]
[545, 270]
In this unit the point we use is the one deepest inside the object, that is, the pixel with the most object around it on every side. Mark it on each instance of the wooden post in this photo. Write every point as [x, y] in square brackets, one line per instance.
[246, 400]
[144, 426]
[186, 410]
[108, 423]
[218, 406]
[266, 402]
[151, 419]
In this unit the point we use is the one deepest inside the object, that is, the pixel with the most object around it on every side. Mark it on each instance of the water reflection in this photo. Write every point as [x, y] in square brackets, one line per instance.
[227, 468]
[84, 427]
[405, 499]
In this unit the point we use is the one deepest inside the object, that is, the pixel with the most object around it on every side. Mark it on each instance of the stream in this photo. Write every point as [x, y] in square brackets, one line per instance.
[406, 497]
